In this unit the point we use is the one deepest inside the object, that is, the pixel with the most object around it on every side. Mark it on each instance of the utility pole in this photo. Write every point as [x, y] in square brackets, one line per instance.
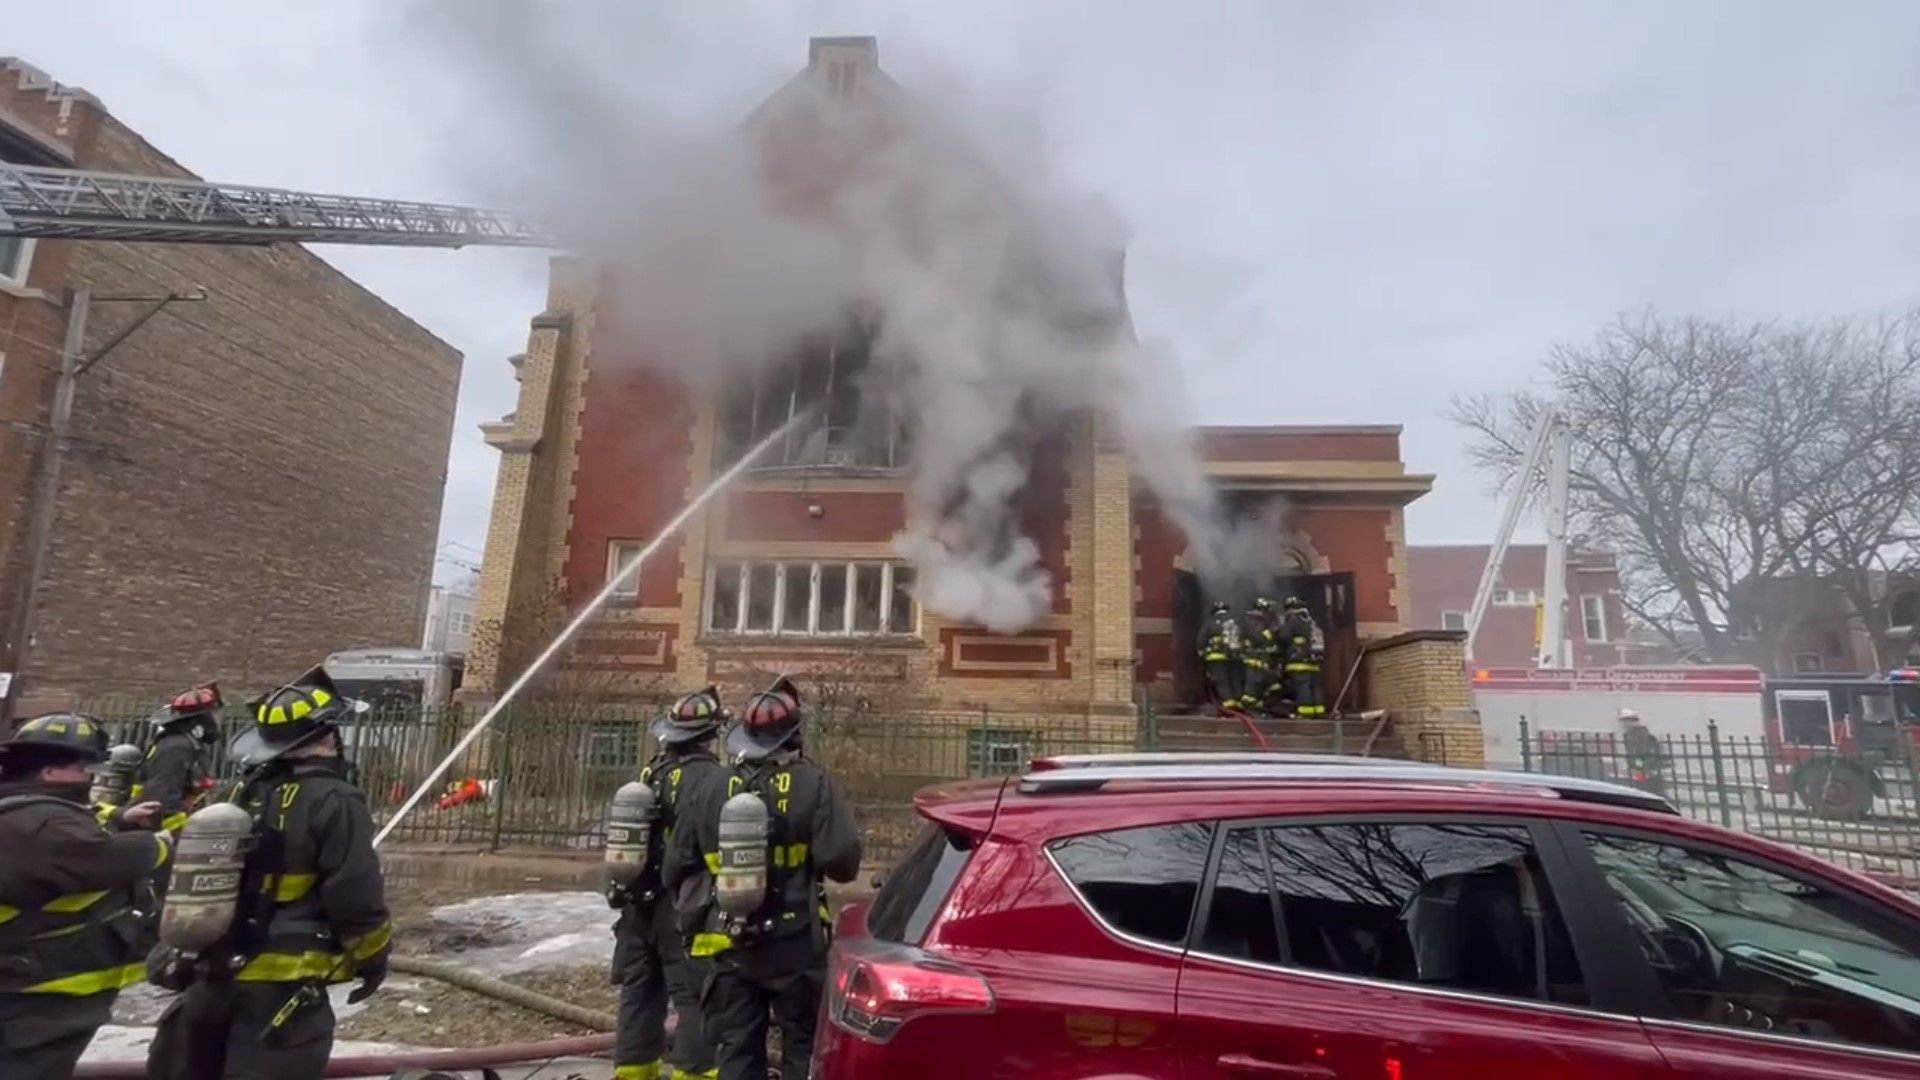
[46, 496]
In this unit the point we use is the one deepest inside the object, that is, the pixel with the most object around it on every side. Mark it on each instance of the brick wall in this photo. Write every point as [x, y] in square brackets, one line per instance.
[255, 480]
[1420, 678]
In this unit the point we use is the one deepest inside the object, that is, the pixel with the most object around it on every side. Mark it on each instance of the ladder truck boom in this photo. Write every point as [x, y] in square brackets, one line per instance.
[74, 204]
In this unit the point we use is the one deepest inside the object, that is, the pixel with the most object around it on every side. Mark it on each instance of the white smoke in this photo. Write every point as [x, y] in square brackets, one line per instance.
[996, 290]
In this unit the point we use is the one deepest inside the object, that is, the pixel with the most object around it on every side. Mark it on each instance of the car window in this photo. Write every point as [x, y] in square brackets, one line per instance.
[916, 888]
[1452, 906]
[1241, 919]
[1140, 881]
[1740, 945]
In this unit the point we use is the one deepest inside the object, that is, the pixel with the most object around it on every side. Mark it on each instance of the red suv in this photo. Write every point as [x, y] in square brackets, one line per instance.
[1274, 916]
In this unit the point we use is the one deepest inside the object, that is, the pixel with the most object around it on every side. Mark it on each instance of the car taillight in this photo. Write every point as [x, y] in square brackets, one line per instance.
[876, 989]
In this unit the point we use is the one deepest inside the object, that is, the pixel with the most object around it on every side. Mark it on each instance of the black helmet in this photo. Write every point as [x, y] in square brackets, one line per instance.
[1294, 603]
[1221, 607]
[57, 737]
[292, 716]
[1262, 604]
[694, 717]
[770, 721]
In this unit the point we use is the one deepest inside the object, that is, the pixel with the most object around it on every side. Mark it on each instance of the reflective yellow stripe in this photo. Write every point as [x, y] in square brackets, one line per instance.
[709, 945]
[8, 913]
[104, 814]
[164, 849]
[646, 1071]
[173, 822]
[292, 887]
[137, 790]
[703, 1074]
[370, 943]
[65, 931]
[713, 862]
[91, 982]
[791, 857]
[79, 901]
[293, 967]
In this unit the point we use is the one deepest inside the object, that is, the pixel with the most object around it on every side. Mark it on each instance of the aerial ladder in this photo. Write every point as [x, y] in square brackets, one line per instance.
[44, 203]
[1549, 451]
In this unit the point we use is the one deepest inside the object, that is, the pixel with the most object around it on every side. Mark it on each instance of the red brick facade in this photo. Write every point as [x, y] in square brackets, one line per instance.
[602, 452]
[255, 480]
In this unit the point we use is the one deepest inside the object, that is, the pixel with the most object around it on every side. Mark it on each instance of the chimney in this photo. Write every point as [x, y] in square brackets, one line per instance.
[843, 63]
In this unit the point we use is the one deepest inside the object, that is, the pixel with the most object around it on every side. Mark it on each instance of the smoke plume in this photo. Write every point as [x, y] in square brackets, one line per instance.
[994, 289]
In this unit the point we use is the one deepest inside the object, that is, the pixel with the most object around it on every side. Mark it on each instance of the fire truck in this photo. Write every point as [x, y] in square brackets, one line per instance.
[1837, 742]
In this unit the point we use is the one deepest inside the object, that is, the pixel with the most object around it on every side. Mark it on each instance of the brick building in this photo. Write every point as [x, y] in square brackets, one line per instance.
[254, 480]
[1597, 633]
[794, 569]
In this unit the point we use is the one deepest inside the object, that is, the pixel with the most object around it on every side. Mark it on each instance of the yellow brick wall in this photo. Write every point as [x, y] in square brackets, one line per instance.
[1420, 678]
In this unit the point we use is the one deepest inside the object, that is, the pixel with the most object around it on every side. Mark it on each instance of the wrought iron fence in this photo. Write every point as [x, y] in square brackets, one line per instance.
[1860, 810]
[542, 776]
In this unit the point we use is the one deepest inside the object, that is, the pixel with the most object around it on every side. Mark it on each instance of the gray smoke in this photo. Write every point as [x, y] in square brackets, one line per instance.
[995, 289]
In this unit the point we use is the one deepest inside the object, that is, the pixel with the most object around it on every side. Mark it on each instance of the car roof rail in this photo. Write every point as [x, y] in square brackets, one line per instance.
[1091, 772]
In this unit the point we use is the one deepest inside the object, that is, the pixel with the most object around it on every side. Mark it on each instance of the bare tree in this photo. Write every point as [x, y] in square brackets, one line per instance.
[1729, 465]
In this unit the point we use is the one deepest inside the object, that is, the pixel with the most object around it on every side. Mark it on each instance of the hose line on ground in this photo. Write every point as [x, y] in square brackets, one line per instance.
[501, 990]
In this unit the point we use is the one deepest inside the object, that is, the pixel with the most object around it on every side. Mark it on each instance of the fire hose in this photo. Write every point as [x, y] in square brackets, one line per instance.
[505, 991]
[382, 1065]
[474, 1057]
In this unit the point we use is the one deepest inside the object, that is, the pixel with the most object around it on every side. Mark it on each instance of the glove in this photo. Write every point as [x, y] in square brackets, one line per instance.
[169, 969]
[372, 974]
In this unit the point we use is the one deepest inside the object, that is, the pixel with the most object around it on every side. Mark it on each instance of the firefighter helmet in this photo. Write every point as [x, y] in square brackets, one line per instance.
[1294, 603]
[771, 720]
[694, 717]
[201, 701]
[1262, 605]
[57, 737]
[292, 716]
[1221, 607]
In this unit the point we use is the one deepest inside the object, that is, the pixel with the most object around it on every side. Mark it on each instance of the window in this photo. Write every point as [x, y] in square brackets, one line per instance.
[1242, 921]
[1464, 907]
[1593, 617]
[16, 259]
[812, 599]
[1515, 597]
[992, 752]
[853, 425]
[914, 891]
[1453, 620]
[1808, 662]
[619, 554]
[1742, 946]
[1139, 881]
[1806, 717]
[460, 622]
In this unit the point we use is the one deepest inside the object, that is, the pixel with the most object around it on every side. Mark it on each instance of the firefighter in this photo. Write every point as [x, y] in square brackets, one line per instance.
[649, 955]
[311, 909]
[1303, 649]
[1646, 758]
[747, 863]
[1262, 649]
[176, 763]
[1222, 654]
[71, 889]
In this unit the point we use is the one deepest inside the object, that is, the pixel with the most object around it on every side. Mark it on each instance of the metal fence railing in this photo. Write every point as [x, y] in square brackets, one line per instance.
[542, 776]
[1859, 810]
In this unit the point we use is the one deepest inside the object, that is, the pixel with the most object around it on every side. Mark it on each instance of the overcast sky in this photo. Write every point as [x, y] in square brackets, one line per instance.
[1340, 213]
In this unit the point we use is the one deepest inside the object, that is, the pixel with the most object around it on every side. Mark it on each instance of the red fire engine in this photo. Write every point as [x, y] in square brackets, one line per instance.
[1838, 742]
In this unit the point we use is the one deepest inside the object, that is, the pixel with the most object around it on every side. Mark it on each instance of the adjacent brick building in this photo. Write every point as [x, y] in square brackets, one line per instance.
[254, 480]
[1597, 631]
[795, 570]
